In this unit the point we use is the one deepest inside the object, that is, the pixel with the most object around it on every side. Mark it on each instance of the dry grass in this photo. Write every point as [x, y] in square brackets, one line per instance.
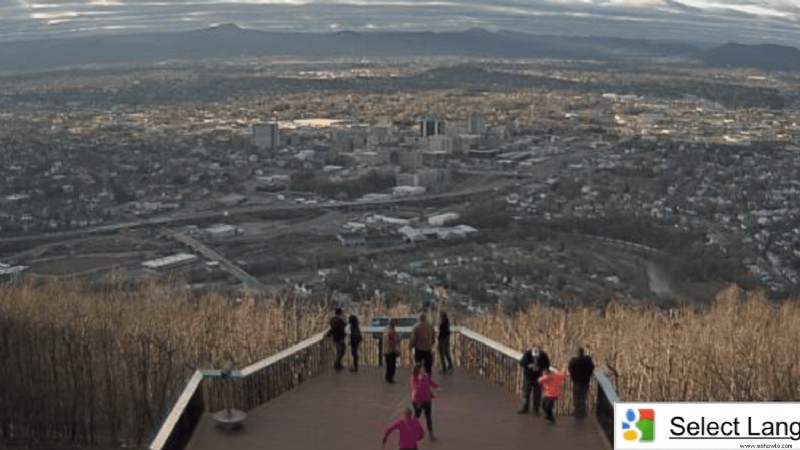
[99, 367]
[741, 348]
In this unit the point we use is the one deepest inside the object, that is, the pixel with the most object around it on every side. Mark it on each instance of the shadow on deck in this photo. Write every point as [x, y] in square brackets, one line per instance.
[350, 410]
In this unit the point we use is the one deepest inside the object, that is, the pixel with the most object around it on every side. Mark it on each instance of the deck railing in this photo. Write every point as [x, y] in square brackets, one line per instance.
[499, 365]
[179, 425]
[252, 387]
[265, 380]
[604, 409]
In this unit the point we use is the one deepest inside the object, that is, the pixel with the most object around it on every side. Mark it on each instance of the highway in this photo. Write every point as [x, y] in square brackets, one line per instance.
[247, 279]
[539, 172]
[227, 213]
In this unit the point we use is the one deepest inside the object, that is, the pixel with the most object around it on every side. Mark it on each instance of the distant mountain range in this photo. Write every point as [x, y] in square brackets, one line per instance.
[773, 57]
[230, 41]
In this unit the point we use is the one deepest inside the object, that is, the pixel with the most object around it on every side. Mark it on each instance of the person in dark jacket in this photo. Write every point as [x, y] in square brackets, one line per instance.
[580, 368]
[338, 332]
[533, 362]
[391, 349]
[444, 342]
[355, 341]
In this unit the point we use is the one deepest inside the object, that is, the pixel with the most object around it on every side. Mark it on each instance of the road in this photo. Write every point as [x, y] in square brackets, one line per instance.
[232, 212]
[247, 279]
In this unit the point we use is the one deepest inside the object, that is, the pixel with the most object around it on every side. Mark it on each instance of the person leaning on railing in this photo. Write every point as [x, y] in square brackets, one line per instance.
[390, 350]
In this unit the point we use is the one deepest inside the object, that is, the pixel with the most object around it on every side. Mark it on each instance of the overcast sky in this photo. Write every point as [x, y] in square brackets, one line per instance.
[707, 20]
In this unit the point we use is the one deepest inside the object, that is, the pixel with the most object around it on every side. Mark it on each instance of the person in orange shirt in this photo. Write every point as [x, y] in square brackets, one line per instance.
[551, 382]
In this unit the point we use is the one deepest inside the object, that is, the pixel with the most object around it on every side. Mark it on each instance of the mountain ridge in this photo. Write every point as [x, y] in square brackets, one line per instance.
[230, 41]
[765, 56]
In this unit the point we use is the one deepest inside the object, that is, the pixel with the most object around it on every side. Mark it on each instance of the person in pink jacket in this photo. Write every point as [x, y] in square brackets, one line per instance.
[410, 431]
[422, 395]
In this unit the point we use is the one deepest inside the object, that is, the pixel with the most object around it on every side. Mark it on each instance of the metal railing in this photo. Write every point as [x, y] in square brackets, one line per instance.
[261, 382]
[265, 380]
[604, 407]
[179, 425]
[499, 365]
[252, 387]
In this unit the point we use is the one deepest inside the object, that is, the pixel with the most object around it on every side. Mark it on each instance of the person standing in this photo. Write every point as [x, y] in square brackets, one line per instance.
[580, 369]
[355, 341]
[533, 361]
[422, 395]
[410, 431]
[338, 332]
[423, 336]
[551, 381]
[444, 342]
[391, 350]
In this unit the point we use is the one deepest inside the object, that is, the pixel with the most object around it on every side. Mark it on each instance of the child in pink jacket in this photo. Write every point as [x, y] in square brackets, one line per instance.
[410, 431]
[422, 395]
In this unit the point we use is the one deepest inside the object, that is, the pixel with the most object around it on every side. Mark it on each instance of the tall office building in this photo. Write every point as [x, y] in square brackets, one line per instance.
[431, 127]
[475, 123]
[266, 135]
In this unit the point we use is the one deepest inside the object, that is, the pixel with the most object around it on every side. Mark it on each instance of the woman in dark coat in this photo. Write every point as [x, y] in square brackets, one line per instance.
[355, 341]
[444, 342]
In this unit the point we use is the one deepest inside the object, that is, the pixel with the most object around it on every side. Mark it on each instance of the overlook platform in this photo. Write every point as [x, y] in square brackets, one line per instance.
[294, 400]
[350, 410]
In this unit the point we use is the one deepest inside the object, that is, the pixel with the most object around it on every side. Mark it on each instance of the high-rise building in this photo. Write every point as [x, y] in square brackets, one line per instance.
[475, 123]
[431, 127]
[266, 135]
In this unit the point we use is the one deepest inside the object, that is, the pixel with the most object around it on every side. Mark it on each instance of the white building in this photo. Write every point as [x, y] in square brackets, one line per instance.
[406, 191]
[11, 273]
[170, 262]
[220, 231]
[441, 219]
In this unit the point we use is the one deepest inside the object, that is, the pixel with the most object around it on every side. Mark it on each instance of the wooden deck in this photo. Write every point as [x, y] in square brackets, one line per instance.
[350, 410]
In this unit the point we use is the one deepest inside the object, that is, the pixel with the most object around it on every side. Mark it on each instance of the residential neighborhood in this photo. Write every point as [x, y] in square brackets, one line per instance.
[480, 193]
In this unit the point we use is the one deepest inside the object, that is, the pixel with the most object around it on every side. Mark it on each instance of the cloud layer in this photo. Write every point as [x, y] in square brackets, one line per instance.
[702, 20]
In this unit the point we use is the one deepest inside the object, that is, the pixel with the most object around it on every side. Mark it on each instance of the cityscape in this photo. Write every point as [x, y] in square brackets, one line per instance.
[305, 224]
[471, 181]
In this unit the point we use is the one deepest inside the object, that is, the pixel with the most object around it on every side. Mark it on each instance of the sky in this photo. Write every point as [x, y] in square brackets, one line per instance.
[716, 21]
